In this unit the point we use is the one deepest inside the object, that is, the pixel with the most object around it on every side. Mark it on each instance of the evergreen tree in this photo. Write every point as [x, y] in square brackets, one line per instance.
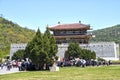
[74, 51]
[42, 49]
[93, 55]
[18, 55]
[34, 49]
[46, 46]
[88, 54]
[51, 46]
[46, 41]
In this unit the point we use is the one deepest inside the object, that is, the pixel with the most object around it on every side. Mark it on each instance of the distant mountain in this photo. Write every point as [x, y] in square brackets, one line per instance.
[107, 34]
[12, 33]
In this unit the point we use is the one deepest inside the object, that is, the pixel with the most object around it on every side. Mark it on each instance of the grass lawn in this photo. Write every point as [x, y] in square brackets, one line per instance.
[68, 73]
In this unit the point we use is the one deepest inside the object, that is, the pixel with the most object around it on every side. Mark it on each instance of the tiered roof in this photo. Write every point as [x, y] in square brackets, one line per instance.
[75, 26]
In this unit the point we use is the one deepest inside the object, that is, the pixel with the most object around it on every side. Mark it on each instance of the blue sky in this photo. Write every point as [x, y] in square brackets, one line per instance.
[38, 13]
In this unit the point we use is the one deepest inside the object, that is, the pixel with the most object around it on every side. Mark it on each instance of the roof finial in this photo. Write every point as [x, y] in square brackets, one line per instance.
[58, 22]
[79, 21]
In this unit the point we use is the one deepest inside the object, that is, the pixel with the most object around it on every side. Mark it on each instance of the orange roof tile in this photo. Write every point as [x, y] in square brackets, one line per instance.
[74, 26]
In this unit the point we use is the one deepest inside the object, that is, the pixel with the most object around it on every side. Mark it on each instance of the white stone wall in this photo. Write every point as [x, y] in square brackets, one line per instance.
[106, 50]
[15, 47]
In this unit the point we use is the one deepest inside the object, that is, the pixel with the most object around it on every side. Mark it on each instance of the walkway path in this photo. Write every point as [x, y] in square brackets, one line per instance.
[5, 71]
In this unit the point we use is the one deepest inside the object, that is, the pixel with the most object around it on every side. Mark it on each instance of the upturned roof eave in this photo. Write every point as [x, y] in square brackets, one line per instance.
[60, 29]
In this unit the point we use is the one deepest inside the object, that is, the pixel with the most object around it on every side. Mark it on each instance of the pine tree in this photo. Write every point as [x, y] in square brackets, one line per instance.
[46, 41]
[42, 49]
[51, 46]
[18, 55]
[74, 51]
[35, 48]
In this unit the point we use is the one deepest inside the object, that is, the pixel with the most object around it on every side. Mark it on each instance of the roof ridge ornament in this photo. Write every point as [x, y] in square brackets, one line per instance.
[58, 22]
[80, 22]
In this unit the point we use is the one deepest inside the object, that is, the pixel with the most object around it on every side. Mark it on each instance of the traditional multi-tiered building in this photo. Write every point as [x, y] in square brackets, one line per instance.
[65, 33]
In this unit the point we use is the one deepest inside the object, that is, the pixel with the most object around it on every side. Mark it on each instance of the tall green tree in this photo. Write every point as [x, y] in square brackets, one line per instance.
[93, 55]
[18, 55]
[34, 49]
[74, 51]
[42, 49]
[50, 45]
[46, 41]
[88, 54]
[53, 47]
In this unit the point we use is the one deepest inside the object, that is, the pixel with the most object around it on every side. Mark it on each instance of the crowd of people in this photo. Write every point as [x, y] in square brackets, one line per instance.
[7, 64]
[82, 62]
[22, 65]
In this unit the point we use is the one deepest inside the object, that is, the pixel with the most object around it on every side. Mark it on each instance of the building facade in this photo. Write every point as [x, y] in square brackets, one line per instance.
[65, 33]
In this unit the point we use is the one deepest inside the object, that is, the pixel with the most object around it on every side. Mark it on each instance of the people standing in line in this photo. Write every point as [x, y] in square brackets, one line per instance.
[1, 65]
[9, 66]
[109, 62]
[19, 66]
[83, 61]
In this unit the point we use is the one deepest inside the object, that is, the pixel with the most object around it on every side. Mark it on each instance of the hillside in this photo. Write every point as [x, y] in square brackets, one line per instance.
[12, 33]
[107, 34]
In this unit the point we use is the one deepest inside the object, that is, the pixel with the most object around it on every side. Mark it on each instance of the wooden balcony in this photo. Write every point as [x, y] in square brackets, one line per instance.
[74, 37]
